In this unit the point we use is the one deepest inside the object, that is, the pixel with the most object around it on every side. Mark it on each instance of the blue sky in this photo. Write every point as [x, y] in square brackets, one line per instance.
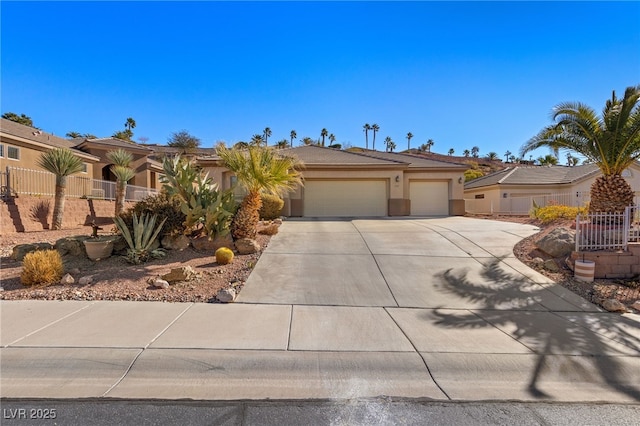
[461, 73]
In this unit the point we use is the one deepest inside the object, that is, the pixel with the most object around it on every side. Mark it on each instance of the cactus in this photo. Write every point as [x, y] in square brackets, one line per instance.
[224, 256]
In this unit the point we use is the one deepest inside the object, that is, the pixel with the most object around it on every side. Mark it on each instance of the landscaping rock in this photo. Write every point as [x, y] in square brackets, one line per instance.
[72, 246]
[67, 279]
[159, 283]
[551, 265]
[247, 246]
[636, 305]
[204, 243]
[270, 229]
[184, 273]
[558, 243]
[175, 242]
[120, 245]
[538, 262]
[226, 295]
[21, 250]
[612, 305]
[86, 280]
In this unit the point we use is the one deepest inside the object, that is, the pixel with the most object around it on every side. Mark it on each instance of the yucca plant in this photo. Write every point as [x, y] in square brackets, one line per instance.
[121, 160]
[145, 233]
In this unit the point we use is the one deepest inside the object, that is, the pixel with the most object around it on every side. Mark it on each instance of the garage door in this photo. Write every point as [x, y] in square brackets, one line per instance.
[429, 198]
[345, 198]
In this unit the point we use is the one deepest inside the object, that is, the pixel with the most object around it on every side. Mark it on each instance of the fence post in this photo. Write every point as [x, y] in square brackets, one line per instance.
[7, 189]
[578, 232]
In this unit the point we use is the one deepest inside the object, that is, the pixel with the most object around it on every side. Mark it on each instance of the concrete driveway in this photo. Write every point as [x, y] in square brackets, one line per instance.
[434, 308]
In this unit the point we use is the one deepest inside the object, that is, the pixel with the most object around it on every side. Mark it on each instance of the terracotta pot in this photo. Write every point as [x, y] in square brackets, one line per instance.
[98, 249]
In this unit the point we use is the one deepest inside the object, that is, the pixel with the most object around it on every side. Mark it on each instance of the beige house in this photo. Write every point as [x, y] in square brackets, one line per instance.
[370, 184]
[512, 189]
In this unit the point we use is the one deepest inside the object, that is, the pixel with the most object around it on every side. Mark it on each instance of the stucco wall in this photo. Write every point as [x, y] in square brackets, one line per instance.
[26, 214]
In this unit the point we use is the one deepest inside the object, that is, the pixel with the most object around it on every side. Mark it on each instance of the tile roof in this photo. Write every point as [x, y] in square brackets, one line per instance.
[317, 155]
[535, 175]
[113, 143]
[33, 134]
[415, 161]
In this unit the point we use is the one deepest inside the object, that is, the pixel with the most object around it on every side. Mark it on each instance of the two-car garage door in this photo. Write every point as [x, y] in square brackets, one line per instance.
[341, 198]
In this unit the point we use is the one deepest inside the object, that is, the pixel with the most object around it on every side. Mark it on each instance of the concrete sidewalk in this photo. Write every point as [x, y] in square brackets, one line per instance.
[420, 308]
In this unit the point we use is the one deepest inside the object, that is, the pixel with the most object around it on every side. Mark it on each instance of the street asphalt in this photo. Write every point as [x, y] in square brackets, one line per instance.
[432, 308]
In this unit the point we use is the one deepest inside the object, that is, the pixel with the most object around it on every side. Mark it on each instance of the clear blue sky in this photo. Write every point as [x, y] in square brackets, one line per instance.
[463, 74]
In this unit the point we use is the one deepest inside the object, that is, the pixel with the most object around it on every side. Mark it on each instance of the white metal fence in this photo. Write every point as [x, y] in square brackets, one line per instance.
[17, 181]
[607, 231]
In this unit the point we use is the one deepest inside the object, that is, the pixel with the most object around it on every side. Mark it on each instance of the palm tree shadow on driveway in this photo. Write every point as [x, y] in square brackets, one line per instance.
[590, 342]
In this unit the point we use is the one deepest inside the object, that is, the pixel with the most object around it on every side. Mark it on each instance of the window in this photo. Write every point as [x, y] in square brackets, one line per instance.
[1, 150]
[479, 196]
[13, 152]
[84, 168]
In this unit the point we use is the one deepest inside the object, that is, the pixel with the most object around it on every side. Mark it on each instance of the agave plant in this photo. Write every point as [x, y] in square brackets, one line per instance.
[145, 233]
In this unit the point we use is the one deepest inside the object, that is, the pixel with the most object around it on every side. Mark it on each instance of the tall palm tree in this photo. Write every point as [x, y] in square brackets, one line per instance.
[293, 136]
[332, 139]
[466, 153]
[323, 133]
[267, 135]
[375, 128]
[121, 162]
[409, 136]
[130, 124]
[507, 155]
[451, 151]
[366, 129]
[256, 140]
[611, 141]
[258, 169]
[475, 151]
[62, 163]
[389, 144]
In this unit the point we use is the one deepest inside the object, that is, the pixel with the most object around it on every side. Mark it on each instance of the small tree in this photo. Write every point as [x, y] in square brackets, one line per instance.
[121, 160]
[183, 140]
[62, 163]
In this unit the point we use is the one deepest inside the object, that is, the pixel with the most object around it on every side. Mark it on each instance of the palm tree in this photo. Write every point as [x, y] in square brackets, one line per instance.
[281, 144]
[492, 156]
[375, 128]
[267, 134]
[62, 163]
[466, 153]
[130, 124]
[451, 151]
[307, 141]
[293, 136]
[241, 145]
[258, 169]
[121, 169]
[366, 129]
[73, 135]
[430, 143]
[388, 142]
[323, 133]
[547, 160]
[332, 139]
[256, 140]
[89, 136]
[507, 155]
[611, 141]
[409, 136]
[474, 151]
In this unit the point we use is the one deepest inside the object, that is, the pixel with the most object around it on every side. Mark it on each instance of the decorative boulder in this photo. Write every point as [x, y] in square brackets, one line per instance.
[72, 246]
[551, 265]
[175, 242]
[21, 250]
[558, 243]
[159, 283]
[247, 246]
[184, 273]
[268, 229]
[613, 305]
[204, 243]
[67, 279]
[226, 295]
[86, 280]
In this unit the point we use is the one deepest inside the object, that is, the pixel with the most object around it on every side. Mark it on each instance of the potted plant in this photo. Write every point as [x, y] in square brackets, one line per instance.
[98, 247]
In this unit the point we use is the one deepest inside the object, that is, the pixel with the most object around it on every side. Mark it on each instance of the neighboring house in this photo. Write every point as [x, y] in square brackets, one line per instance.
[345, 184]
[500, 192]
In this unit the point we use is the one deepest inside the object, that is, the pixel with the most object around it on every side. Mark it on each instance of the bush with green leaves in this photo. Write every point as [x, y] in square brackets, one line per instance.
[207, 210]
[554, 212]
[271, 206]
[163, 205]
[142, 240]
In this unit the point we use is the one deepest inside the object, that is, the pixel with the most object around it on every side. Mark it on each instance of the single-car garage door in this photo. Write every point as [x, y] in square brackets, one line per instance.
[341, 198]
[429, 198]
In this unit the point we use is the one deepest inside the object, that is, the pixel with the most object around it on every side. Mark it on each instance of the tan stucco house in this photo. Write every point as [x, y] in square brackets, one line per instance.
[369, 184]
[501, 190]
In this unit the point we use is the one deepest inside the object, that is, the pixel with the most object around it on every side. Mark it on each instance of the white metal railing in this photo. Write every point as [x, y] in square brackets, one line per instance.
[607, 231]
[42, 183]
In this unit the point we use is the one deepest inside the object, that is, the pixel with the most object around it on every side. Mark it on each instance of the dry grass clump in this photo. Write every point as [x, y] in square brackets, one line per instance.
[41, 267]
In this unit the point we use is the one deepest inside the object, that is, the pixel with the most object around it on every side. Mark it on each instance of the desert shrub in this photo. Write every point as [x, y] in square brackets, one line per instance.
[556, 211]
[271, 207]
[41, 267]
[471, 174]
[163, 206]
[141, 240]
[224, 255]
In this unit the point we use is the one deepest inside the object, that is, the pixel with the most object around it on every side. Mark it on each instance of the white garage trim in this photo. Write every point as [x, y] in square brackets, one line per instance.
[343, 198]
[429, 198]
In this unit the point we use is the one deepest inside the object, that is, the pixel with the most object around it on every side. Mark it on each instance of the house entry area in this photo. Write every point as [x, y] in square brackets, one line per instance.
[345, 198]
